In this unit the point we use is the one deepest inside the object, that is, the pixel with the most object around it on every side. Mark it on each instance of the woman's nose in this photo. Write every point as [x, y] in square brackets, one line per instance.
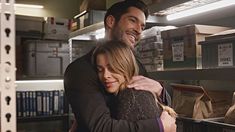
[107, 73]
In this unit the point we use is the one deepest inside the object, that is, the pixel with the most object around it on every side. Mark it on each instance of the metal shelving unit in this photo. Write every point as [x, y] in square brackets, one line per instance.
[195, 74]
[43, 85]
[43, 118]
[7, 67]
[40, 83]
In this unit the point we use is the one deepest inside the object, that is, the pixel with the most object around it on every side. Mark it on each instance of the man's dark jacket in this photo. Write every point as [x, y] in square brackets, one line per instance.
[88, 101]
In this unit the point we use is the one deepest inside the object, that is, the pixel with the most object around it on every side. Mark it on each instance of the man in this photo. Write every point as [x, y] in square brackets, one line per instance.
[123, 21]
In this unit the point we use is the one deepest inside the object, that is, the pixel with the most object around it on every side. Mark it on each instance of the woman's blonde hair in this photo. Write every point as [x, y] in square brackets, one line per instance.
[120, 57]
[122, 61]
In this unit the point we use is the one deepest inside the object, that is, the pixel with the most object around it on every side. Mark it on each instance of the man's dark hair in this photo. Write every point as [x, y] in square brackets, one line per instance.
[120, 8]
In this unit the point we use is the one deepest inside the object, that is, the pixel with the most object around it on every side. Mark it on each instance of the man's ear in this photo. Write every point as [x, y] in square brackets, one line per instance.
[110, 21]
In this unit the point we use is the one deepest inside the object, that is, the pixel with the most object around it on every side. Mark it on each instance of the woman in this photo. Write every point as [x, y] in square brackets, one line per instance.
[116, 65]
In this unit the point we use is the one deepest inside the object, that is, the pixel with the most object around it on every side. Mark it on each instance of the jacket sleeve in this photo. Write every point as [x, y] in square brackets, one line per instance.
[88, 103]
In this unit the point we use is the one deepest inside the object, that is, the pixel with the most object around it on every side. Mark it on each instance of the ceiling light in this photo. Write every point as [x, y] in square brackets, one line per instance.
[27, 6]
[80, 14]
[184, 6]
[38, 81]
[200, 9]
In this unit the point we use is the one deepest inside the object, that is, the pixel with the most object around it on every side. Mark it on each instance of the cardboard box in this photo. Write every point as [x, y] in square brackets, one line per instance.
[45, 58]
[152, 60]
[81, 47]
[149, 46]
[87, 5]
[57, 28]
[158, 66]
[180, 45]
[29, 24]
[151, 53]
[91, 17]
[218, 51]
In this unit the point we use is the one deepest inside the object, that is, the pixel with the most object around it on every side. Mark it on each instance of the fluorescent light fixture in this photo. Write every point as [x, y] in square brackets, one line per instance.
[27, 6]
[200, 9]
[80, 14]
[184, 6]
[38, 81]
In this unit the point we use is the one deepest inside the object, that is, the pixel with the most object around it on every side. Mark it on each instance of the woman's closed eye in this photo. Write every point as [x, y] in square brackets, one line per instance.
[99, 69]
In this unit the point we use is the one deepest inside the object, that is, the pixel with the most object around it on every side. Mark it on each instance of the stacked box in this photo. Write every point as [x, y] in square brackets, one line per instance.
[45, 58]
[57, 28]
[80, 48]
[91, 4]
[29, 24]
[181, 48]
[218, 51]
[91, 17]
[150, 53]
[150, 49]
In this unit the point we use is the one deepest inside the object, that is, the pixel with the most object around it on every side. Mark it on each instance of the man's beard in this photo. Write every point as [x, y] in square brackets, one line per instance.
[117, 34]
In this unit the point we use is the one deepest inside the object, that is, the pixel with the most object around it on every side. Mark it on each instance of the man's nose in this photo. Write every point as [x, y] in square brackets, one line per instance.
[138, 28]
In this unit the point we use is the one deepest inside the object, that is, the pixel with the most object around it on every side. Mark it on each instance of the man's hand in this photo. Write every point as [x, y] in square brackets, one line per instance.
[144, 83]
[168, 122]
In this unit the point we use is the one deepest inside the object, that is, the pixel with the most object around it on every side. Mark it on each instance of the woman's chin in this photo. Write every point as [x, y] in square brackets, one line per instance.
[110, 90]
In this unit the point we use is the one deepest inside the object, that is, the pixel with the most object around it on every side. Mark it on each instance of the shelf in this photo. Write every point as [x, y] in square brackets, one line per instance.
[40, 78]
[195, 74]
[86, 32]
[43, 118]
